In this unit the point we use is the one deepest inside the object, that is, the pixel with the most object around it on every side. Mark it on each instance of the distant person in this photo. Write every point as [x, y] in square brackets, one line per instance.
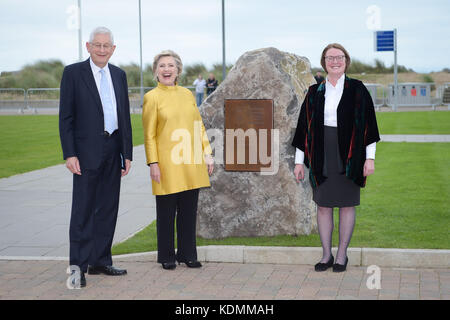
[170, 109]
[319, 78]
[404, 91]
[336, 139]
[211, 84]
[95, 132]
[200, 85]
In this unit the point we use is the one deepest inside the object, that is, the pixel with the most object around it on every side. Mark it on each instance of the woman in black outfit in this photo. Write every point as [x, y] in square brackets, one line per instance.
[211, 84]
[336, 139]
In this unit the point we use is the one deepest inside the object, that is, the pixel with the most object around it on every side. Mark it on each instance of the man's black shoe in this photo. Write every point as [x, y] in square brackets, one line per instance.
[82, 280]
[108, 270]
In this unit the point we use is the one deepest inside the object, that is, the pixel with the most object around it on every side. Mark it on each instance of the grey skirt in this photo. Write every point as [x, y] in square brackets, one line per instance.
[337, 190]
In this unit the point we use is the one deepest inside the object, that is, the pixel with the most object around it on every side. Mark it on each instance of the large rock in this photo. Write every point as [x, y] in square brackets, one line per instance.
[242, 204]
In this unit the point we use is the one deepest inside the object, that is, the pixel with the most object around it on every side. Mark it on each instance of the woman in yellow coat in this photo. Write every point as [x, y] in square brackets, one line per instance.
[179, 156]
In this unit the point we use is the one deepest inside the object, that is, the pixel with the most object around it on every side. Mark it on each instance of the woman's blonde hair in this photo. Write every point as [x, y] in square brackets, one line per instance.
[167, 53]
[335, 46]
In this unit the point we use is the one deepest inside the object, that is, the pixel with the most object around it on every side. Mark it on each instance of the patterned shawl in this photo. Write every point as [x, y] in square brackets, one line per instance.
[357, 128]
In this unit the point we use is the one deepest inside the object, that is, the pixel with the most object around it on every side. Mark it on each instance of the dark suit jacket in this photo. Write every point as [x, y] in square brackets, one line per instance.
[81, 122]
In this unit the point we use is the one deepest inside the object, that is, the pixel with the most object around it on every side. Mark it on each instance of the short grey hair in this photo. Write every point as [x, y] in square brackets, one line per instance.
[101, 30]
[167, 53]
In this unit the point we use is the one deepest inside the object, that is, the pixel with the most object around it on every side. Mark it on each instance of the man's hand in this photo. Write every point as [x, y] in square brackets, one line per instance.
[127, 167]
[73, 165]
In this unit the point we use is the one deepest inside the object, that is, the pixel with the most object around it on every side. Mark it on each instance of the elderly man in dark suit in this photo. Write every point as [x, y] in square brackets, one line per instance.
[95, 132]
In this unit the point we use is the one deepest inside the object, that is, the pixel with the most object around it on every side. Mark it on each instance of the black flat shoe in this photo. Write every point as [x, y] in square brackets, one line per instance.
[319, 267]
[169, 265]
[192, 264]
[108, 270]
[82, 280]
[340, 267]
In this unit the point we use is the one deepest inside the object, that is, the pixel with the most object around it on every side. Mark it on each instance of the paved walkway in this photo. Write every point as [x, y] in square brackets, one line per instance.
[415, 137]
[224, 281]
[35, 209]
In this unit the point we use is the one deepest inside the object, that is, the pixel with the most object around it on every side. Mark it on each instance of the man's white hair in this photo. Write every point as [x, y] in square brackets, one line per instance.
[101, 30]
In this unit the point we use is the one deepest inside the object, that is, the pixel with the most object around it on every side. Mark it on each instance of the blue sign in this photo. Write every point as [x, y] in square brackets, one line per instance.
[384, 41]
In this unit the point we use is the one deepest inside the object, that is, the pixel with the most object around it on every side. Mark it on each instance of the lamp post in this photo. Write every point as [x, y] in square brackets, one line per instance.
[140, 46]
[80, 52]
[224, 69]
[395, 72]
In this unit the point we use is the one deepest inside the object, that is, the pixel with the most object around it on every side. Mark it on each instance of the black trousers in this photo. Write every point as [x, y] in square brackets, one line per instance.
[95, 204]
[183, 205]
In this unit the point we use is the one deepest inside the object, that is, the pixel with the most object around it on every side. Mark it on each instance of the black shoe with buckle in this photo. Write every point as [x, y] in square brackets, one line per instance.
[108, 270]
[319, 267]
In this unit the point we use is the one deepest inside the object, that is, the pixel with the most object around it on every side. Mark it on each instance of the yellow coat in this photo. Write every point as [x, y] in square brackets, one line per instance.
[175, 137]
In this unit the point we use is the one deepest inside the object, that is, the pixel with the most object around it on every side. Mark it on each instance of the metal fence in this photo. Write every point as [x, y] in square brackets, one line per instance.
[411, 94]
[13, 99]
[414, 94]
[134, 94]
[42, 100]
[443, 94]
[378, 94]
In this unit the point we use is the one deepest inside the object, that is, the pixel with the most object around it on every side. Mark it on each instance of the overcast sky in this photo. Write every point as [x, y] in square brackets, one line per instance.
[32, 30]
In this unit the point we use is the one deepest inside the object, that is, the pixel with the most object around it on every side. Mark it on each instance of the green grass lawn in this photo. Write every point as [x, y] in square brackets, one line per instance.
[28, 143]
[423, 122]
[32, 142]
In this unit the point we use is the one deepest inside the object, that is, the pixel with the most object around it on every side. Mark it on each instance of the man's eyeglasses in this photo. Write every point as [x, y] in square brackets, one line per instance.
[98, 46]
[335, 58]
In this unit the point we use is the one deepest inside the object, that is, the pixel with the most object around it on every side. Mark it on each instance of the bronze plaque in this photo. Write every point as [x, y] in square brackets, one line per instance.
[248, 129]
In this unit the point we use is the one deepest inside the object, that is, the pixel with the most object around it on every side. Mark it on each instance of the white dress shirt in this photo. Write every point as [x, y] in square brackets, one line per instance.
[98, 76]
[333, 96]
[200, 85]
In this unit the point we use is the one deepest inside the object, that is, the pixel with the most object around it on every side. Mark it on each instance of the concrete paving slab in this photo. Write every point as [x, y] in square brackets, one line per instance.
[25, 251]
[39, 280]
[415, 138]
[35, 211]
[54, 236]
